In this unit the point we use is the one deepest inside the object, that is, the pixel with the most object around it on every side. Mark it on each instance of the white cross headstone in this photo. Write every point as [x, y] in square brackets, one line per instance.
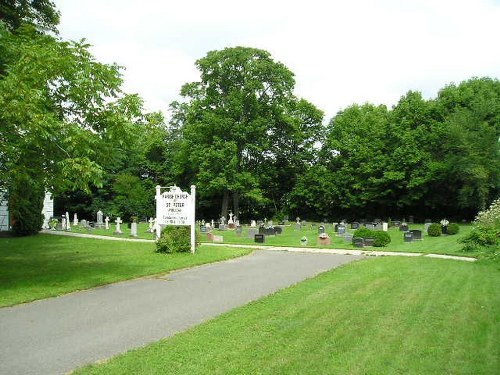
[151, 222]
[118, 230]
[231, 218]
[106, 222]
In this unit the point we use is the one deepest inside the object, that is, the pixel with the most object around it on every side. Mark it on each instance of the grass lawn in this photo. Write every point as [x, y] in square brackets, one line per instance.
[45, 265]
[389, 315]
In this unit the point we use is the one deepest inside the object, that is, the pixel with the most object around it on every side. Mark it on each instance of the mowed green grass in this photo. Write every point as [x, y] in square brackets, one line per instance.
[390, 315]
[45, 265]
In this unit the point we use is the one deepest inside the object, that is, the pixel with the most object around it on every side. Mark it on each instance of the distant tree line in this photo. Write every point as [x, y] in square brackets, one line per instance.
[239, 133]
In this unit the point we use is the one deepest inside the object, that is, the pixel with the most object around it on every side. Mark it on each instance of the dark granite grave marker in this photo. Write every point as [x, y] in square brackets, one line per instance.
[369, 241]
[408, 236]
[354, 225]
[358, 242]
[259, 238]
[417, 234]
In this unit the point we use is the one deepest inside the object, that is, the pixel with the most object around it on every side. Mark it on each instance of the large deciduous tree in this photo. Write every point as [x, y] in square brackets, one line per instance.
[63, 114]
[242, 127]
[40, 13]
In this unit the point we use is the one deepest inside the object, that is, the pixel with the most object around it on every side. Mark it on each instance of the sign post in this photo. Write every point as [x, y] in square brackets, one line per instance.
[175, 207]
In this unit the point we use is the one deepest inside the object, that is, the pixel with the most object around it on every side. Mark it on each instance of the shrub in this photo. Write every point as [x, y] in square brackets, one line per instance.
[485, 236]
[363, 233]
[381, 239]
[434, 230]
[453, 228]
[174, 240]
[26, 204]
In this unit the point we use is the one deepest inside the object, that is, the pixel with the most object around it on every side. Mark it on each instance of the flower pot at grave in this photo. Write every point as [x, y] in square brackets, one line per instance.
[303, 241]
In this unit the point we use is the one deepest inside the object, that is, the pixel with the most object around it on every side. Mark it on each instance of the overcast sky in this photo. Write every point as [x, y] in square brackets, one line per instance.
[341, 52]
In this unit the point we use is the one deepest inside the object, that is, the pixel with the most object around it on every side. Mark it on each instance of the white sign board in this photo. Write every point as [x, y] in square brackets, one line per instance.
[176, 207]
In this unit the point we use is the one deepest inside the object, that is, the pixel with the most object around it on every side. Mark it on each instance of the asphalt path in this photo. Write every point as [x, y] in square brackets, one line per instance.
[57, 335]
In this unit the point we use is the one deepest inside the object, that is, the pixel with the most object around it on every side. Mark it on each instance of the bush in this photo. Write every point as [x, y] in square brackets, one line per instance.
[174, 240]
[485, 236]
[363, 233]
[381, 239]
[481, 236]
[453, 228]
[434, 230]
[26, 204]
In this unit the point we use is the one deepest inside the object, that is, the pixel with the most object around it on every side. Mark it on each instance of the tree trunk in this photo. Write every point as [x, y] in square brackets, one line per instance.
[236, 204]
[225, 202]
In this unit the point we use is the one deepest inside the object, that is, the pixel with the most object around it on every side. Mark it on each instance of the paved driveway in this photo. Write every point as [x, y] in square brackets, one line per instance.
[57, 335]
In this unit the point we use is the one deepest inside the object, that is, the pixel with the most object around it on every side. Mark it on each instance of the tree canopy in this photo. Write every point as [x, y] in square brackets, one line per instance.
[242, 127]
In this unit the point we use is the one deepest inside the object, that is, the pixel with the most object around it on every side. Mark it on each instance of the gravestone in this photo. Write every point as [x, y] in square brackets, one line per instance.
[369, 241]
[150, 225]
[83, 223]
[411, 220]
[252, 232]
[269, 231]
[321, 229]
[133, 229]
[222, 226]
[396, 223]
[385, 227]
[358, 242]
[408, 236]
[259, 238]
[426, 227]
[354, 225]
[403, 227]
[378, 226]
[230, 222]
[262, 230]
[348, 237]
[99, 219]
[370, 226]
[203, 229]
[303, 241]
[278, 230]
[298, 226]
[238, 231]
[253, 224]
[106, 222]
[118, 230]
[341, 229]
[416, 234]
[68, 224]
[75, 220]
[218, 239]
[63, 222]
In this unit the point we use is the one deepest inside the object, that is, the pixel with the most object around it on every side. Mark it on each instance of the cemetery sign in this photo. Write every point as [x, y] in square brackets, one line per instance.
[175, 207]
